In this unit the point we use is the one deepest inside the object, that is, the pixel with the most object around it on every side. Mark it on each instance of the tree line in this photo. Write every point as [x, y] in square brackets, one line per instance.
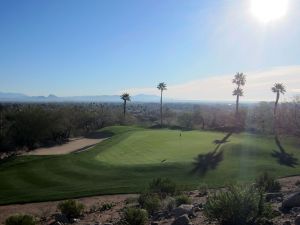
[27, 126]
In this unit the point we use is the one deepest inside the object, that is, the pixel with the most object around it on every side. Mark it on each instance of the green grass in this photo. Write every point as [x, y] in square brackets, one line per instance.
[133, 156]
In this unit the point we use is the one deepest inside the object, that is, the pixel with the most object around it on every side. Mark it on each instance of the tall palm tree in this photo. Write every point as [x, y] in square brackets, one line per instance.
[278, 88]
[125, 97]
[162, 87]
[240, 80]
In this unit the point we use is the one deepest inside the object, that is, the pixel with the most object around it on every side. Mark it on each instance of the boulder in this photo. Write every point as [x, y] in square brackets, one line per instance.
[287, 223]
[56, 223]
[297, 220]
[62, 218]
[274, 196]
[183, 209]
[291, 201]
[182, 220]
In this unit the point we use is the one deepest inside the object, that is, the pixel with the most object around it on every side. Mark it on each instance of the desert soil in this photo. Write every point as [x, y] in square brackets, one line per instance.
[46, 209]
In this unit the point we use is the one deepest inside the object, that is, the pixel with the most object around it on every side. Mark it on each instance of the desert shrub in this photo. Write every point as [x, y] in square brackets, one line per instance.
[182, 199]
[267, 183]
[150, 201]
[101, 207]
[71, 208]
[131, 200]
[169, 203]
[237, 205]
[163, 187]
[20, 219]
[106, 206]
[203, 189]
[135, 216]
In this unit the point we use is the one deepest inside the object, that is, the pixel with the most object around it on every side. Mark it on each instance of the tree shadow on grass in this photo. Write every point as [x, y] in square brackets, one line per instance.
[222, 141]
[209, 161]
[284, 158]
[205, 162]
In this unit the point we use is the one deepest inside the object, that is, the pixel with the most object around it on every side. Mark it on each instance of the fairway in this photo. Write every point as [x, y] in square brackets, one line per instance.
[127, 161]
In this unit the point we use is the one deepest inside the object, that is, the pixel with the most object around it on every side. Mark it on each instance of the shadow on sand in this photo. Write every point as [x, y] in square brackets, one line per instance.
[284, 158]
[209, 161]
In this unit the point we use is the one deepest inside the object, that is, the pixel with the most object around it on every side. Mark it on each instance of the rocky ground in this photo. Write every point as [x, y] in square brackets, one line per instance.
[286, 204]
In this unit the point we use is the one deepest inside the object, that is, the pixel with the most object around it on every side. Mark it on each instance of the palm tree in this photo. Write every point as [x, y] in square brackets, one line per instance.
[240, 80]
[125, 97]
[161, 86]
[277, 88]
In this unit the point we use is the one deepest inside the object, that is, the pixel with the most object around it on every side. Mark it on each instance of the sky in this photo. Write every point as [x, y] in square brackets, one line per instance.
[96, 47]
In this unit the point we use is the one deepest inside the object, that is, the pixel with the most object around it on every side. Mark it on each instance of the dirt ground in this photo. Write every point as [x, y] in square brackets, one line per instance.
[74, 145]
[46, 209]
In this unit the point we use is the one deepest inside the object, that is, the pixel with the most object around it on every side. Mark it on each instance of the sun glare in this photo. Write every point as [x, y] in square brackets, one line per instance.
[269, 10]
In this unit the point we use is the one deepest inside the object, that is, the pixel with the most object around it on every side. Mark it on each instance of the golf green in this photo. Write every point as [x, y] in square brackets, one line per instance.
[127, 161]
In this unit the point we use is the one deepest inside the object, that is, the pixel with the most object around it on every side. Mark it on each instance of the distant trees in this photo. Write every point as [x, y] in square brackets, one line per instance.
[125, 97]
[33, 125]
[240, 80]
[162, 87]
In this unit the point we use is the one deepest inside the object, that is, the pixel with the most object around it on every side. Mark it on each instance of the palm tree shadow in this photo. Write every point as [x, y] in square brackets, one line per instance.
[222, 141]
[209, 161]
[205, 162]
[284, 158]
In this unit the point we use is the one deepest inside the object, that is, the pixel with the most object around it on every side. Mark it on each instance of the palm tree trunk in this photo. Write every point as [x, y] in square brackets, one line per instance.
[276, 104]
[124, 110]
[161, 123]
[237, 105]
[275, 114]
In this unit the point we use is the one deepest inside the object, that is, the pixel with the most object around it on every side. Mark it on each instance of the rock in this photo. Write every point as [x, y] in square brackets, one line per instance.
[182, 220]
[296, 210]
[154, 223]
[74, 220]
[297, 220]
[287, 223]
[183, 209]
[160, 215]
[264, 221]
[62, 218]
[57, 223]
[274, 196]
[51, 222]
[291, 201]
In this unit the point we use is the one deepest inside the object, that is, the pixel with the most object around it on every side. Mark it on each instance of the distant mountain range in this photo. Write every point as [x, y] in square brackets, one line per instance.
[18, 97]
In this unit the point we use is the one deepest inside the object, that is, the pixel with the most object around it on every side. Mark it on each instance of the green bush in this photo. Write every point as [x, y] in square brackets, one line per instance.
[267, 183]
[237, 205]
[182, 199]
[163, 187]
[150, 201]
[71, 208]
[20, 219]
[135, 216]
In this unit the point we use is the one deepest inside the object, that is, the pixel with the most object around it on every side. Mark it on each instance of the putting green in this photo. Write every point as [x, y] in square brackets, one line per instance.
[133, 156]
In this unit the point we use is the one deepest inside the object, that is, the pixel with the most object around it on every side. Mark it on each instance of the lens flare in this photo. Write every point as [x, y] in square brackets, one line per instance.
[269, 10]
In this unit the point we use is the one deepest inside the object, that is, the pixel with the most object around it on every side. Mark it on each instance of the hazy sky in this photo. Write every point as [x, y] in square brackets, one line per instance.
[93, 47]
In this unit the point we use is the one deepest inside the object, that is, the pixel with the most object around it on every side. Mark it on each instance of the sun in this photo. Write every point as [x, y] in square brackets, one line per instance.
[269, 10]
